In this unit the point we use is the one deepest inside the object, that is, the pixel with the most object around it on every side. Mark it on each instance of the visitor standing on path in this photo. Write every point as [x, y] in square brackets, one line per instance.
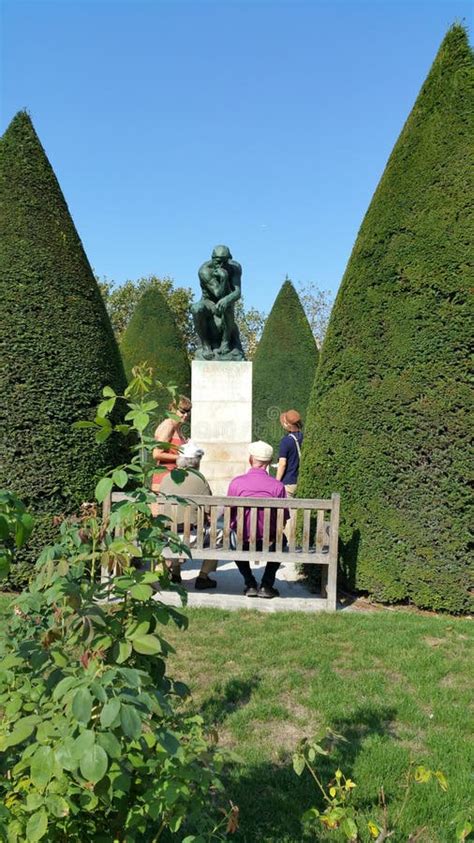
[170, 430]
[289, 456]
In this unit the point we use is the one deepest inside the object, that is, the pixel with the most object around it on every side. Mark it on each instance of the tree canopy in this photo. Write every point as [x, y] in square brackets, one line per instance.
[284, 365]
[153, 336]
[388, 416]
[57, 345]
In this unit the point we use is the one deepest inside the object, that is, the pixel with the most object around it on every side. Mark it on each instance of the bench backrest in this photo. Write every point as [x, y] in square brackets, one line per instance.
[314, 542]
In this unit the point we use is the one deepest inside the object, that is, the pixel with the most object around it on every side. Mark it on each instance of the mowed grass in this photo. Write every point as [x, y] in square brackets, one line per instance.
[397, 685]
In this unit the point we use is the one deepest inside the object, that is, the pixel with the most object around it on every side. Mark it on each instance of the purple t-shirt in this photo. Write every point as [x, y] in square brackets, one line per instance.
[256, 483]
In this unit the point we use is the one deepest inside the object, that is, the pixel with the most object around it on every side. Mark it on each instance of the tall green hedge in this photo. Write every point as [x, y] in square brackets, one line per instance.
[56, 342]
[283, 366]
[388, 422]
[153, 335]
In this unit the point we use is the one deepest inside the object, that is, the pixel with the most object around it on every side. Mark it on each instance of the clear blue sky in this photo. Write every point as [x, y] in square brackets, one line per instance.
[262, 124]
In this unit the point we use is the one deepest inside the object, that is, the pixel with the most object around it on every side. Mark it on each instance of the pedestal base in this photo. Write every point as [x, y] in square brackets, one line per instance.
[221, 420]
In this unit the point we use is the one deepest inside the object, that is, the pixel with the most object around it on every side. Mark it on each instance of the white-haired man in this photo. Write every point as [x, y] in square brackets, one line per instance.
[257, 483]
[193, 484]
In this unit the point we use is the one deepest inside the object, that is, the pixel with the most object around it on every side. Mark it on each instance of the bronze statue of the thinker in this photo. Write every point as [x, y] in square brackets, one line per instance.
[213, 315]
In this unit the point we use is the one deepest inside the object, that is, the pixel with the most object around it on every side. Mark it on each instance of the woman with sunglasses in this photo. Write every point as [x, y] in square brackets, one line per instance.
[169, 430]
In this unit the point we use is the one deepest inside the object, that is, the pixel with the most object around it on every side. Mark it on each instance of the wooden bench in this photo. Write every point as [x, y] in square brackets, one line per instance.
[317, 533]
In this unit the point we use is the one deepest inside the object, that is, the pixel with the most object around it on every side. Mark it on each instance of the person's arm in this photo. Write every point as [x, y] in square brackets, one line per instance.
[164, 433]
[282, 458]
[281, 468]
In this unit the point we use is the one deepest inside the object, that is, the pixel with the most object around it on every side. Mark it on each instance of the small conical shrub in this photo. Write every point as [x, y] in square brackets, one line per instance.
[57, 346]
[153, 335]
[388, 418]
[283, 366]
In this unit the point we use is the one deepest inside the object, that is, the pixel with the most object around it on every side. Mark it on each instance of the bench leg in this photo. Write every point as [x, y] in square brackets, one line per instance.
[331, 588]
[324, 581]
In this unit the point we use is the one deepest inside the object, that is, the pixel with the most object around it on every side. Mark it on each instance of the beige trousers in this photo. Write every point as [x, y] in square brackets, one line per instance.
[290, 526]
[207, 566]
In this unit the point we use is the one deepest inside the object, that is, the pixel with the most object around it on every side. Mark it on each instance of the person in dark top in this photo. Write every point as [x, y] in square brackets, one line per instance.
[289, 455]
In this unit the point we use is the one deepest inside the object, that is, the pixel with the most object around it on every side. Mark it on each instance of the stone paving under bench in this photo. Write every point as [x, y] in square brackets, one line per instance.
[294, 594]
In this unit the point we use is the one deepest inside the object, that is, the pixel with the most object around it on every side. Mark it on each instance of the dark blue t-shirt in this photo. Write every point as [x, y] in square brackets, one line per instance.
[289, 451]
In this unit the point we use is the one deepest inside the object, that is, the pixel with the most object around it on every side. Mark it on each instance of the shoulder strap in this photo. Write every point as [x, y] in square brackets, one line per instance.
[297, 444]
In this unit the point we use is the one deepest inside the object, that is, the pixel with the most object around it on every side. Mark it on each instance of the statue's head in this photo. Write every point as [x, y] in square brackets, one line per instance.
[221, 254]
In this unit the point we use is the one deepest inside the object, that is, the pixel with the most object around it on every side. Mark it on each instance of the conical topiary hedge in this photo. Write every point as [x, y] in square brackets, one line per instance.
[388, 417]
[57, 346]
[283, 366]
[153, 335]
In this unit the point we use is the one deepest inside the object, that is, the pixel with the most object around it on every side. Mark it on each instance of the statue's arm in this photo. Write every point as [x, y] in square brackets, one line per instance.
[204, 274]
[236, 284]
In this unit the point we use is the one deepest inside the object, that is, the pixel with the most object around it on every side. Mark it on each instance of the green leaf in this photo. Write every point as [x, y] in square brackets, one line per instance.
[93, 765]
[124, 651]
[103, 489]
[141, 591]
[4, 528]
[64, 686]
[41, 766]
[463, 830]
[82, 425]
[98, 692]
[106, 407]
[120, 478]
[442, 780]
[109, 742]
[83, 743]
[169, 742]
[148, 645]
[131, 676]
[110, 712]
[108, 392]
[4, 565]
[141, 420]
[137, 629]
[103, 435]
[65, 754]
[37, 826]
[82, 705]
[57, 806]
[34, 801]
[130, 720]
[349, 828]
[298, 764]
[22, 730]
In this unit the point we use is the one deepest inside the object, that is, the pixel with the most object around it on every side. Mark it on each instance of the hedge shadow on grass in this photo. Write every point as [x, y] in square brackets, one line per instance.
[272, 798]
[226, 699]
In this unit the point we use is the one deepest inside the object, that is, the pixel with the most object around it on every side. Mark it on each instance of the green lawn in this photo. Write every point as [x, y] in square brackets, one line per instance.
[397, 685]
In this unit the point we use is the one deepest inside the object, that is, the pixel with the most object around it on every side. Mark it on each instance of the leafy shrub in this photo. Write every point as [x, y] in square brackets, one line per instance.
[336, 811]
[93, 744]
[284, 365]
[153, 335]
[388, 419]
[56, 343]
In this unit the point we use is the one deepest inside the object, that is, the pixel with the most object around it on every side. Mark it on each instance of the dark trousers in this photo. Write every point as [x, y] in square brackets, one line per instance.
[270, 568]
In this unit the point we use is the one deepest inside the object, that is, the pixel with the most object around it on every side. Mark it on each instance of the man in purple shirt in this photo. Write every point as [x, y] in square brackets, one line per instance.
[257, 483]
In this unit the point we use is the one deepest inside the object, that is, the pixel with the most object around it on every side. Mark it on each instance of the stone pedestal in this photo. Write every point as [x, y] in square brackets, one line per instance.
[221, 419]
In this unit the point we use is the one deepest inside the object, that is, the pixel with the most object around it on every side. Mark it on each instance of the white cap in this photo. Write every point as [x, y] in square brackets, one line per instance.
[261, 451]
[191, 451]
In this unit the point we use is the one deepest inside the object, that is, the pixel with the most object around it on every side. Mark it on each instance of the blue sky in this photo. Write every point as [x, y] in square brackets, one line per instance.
[262, 124]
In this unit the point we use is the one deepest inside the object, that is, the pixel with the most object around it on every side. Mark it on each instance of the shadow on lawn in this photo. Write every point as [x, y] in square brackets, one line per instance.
[227, 698]
[272, 798]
